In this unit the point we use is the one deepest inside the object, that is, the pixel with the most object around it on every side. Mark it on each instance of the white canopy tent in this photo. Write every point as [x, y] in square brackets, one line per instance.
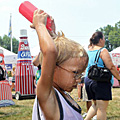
[7, 52]
[115, 55]
[116, 50]
[10, 58]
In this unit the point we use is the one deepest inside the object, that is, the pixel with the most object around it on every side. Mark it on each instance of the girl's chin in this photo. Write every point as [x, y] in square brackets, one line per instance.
[70, 90]
[75, 86]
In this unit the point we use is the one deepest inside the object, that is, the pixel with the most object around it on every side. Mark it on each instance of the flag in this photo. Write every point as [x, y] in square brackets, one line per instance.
[10, 29]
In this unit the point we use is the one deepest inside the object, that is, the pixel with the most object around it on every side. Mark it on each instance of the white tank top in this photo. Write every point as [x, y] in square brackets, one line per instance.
[67, 110]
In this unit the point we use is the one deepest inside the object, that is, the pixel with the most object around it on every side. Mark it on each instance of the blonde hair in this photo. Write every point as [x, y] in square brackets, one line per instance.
[13, 67]
[67, 49]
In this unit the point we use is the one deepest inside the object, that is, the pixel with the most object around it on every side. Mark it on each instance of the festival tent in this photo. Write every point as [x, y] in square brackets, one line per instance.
[10, 58]
[115, 55]
[5, 94]
[116, 50]
[7, 52]
[5, 91]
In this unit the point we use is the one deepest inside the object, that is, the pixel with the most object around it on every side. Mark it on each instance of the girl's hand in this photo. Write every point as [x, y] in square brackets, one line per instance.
[39, 18]
[53, 27]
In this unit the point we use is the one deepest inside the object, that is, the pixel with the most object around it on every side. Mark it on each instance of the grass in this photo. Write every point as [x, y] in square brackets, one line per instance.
[22, 110]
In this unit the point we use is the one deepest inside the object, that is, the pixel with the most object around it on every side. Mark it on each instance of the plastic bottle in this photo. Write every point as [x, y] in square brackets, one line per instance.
[27, 10]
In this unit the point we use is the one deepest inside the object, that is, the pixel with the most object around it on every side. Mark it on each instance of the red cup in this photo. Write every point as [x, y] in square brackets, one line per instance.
[27, 10]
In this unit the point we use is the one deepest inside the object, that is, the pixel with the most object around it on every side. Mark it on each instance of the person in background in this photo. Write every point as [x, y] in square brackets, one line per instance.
[36, 61]
[99, 92]
[118, 68]
[79, 88]
[13, 78]
[63, 62]
[38, 73]
[85, 98]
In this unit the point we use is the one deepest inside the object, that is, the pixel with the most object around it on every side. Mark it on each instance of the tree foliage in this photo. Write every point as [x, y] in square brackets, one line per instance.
[5, 42]
[112, 35]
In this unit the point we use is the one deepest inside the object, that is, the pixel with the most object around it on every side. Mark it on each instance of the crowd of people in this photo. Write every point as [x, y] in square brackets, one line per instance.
[62, 63]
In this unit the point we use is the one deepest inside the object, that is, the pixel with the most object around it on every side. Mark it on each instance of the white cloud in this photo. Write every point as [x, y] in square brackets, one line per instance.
[3, 1]
[5, 8]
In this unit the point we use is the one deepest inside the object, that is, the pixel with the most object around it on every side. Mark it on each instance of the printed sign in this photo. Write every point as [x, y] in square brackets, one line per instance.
[24, 54]
[8, 66]
[115, 58]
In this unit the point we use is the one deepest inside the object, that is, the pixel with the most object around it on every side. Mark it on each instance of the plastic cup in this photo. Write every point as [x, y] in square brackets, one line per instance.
[27, 10]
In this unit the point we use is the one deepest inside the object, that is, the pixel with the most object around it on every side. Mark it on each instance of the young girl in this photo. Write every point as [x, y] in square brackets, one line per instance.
[62, 62]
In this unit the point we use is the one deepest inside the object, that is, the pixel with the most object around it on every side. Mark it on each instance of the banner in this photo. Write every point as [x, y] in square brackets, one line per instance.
[8, 66]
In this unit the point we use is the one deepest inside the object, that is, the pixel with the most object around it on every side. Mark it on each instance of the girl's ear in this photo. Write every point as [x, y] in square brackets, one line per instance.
[100, 40]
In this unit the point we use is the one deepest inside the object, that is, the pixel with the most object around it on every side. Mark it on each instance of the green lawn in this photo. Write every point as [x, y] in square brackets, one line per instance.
[22, 110]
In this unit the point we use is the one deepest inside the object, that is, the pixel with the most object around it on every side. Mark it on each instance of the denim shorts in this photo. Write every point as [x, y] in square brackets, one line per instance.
[98, 90]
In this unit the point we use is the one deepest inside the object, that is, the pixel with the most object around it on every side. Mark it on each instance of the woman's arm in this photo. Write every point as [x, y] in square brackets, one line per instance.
[108, 63]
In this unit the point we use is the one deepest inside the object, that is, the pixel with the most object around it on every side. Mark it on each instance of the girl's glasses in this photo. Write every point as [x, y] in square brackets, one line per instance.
[77, 75]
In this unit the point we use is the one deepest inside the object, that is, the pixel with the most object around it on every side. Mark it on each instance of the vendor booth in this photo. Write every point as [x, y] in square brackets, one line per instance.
[10, 58]
[5, 91]
[115, 55]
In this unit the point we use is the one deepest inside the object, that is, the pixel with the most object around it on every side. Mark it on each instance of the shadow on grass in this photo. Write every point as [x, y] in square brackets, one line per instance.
[113, 118]
[3, 114]
[19, 106]
[20, 110]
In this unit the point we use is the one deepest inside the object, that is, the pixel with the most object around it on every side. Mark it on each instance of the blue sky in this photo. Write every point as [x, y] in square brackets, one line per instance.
[78, 19]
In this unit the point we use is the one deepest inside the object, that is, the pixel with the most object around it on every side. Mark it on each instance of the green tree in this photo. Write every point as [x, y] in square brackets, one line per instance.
[112, 35]
[15, 45]
[114, 38]
[5, 42]
[1, 41]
